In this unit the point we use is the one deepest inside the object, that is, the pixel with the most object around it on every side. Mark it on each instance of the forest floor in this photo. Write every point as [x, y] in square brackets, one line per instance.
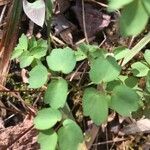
[17, 131]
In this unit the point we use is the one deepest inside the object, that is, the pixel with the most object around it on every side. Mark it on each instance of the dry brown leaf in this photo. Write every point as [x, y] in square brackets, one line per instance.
[142, 125]
[35, 11]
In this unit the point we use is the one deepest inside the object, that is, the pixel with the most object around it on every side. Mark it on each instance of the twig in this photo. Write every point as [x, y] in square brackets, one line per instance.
[9, 103]
[131, 42]
[83, 40]
[57, 40]
[105, 37]
[18, 91]
[76, 71]
[20, 136]
[37, 99]
[99, 3]
[30, 30]
[107, 139]
[12, 110]
[19, 98]
[84, 23]
[111, 141]
[85, 69]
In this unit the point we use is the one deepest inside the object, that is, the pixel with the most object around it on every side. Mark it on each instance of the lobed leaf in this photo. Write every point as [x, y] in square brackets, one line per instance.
[95, 105]
[104, 70]
[21, 47]
[124, 100]
[69, 136]
[25, 59]
[38, 52]
[63, 60]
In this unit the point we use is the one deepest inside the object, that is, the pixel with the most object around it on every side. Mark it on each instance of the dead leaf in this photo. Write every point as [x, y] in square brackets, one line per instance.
[95, 19]
[142, 125]
[35, 11]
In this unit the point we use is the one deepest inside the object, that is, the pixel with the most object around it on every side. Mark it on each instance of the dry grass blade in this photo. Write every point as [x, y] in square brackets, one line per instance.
[136, 49]
[9, 38]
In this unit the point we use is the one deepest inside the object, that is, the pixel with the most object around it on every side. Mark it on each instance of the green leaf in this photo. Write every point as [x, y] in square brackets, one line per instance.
[104, 70]
[124, 100]
[56, 93]
[95, 105]
[63, 60]
[139, 69]
[146, 4]
[42, 43]
[148, 81]
[25, 59]
[147, 56]
[131, 81]
[80, 55]
[38, 52]
[112, 84]
[47, 140]
[23, 42]
[16, 53]
[47, 118]
[32, 43]
[38, 76]
[21, 47]
[129, 21]
[116, 4]
[69, 136]
[120, 52]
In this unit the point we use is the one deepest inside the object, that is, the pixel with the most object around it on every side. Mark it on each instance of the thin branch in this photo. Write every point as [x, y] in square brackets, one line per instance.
[84, 23]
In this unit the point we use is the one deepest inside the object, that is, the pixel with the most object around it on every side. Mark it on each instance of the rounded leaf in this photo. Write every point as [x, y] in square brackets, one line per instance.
[117, 4]
[120, 52]
[124, 100]
[63, 60]
[69, 136]
[129, 21]
[146, 4]
[148, 81]
[139, 69]
[47, 140]
[104, 70]
[47, 118]
[56, 93]
[95, 105]
[131, 82]
[147, 56]
[38, 76]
